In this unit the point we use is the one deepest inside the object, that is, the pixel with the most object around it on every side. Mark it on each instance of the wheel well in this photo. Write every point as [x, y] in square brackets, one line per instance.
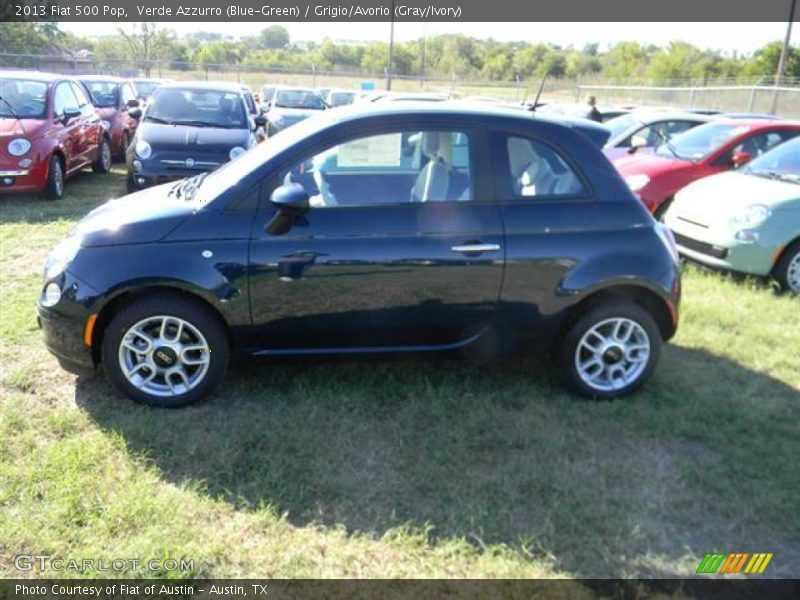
[784, 250]
[647, 299]
[119, 302]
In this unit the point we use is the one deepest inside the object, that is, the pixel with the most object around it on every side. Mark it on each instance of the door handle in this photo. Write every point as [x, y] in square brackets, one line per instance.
[475, 248]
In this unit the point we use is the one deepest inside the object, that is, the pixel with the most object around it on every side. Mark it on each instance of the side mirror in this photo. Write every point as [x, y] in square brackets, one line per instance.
[261, 121]
[740, 158]
[70, 112]
[292, 202]
[135, 113]
[133, 103]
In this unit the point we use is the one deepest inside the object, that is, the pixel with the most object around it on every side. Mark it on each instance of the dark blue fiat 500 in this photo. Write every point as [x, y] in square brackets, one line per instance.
[381, 229]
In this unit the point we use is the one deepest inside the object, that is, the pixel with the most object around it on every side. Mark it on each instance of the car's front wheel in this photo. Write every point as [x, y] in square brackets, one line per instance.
[54, 187]
[610, 351]
[165, 350]
[787, 271]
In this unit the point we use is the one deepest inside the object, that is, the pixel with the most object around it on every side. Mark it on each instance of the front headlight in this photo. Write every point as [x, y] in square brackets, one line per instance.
[752, 216]
[143, 149]
[51, 294]
[18, 147]
[61, 256]
[105, 124]
[236, 151]
[637, 182]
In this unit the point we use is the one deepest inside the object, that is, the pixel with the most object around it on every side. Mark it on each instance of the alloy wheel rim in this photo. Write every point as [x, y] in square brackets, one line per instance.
[793, 273]
[612, 354]
[164, 356]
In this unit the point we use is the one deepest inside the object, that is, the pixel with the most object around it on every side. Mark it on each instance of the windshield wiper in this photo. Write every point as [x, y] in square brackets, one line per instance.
[787, 177]
[157, 120]
[194, 123]
[666, 143]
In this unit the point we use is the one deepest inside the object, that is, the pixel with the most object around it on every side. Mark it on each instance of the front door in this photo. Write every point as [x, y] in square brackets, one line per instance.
[402, 247]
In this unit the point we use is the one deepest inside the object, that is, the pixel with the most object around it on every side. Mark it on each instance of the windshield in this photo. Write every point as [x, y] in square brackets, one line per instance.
[197, 107]
[145, 88]
[232, 172]
[699, 142]
[619, 125]
[342, 98]
[22, 98]
[104, 93]
[783, 162]
[298, 99]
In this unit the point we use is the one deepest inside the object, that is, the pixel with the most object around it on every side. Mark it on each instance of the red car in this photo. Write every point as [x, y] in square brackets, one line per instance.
[48, 131]
[704, 150]
[112, 97]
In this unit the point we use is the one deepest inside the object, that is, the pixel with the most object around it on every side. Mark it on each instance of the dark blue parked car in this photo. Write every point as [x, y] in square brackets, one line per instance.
[388, 228]
[189, 128]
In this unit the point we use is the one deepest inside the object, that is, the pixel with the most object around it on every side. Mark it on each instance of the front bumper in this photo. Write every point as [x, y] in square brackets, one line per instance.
[718, 247]
[13, 179]
[157, 172]
[64, 325]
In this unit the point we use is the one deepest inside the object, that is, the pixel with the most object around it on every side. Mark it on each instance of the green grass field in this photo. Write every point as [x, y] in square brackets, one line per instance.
[404, 468]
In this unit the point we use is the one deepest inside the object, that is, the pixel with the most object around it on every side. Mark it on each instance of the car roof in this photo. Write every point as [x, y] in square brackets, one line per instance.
[217, 86]
[472, 111]
[293, 88]
[32, 75]
[756, 124]
[113, 78]
[664, 114]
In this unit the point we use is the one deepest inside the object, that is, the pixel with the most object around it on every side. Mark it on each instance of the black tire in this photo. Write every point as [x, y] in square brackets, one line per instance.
[54, 188]
[661, 211]
[192, 312]
[130, 184]
[786, 269]
[103, 162]
[567, 350]
[124, 143]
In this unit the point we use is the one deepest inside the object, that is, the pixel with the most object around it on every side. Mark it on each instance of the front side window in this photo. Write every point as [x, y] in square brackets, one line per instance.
[22, 98]
[64, 98]
[535, 170]
[127, 93]
[197, 107]
[392, 168]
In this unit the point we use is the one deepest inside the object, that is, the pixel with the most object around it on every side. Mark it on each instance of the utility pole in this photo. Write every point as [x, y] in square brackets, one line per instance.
[391, 51]
[782, 60]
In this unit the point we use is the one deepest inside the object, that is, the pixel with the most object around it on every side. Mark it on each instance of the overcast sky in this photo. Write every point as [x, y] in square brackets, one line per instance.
[728, 37]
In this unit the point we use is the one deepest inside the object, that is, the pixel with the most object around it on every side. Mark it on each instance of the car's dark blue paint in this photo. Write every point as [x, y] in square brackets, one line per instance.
[379, 277]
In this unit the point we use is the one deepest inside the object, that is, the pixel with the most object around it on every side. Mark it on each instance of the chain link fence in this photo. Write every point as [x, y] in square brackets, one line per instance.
[728, 95]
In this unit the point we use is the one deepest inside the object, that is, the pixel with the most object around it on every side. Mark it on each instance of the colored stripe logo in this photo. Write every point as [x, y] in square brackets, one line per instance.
[735, 562]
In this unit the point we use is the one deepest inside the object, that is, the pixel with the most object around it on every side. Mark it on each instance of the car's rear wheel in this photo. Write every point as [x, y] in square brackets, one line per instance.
[611, 350]
[787, 271]
[103, 162]
[54, 188]
[165, 350]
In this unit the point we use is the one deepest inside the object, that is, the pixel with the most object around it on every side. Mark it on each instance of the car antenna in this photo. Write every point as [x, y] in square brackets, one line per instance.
[535, 104]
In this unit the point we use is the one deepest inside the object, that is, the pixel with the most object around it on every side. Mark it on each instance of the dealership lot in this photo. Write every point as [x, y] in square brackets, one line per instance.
[436, 467]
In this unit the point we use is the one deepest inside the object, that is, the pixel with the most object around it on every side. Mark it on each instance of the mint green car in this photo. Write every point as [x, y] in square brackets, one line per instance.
[747, 220]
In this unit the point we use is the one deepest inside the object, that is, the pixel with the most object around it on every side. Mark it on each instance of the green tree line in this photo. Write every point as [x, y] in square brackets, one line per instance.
[440, 56]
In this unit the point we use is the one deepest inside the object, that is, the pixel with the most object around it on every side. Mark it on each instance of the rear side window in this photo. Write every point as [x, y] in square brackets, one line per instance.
[535, 170]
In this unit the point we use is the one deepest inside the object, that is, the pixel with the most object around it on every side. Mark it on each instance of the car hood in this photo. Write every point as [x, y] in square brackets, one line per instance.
[185, 137]
[729, 193]
[650, 164]
[140, 218]
[27, 128]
